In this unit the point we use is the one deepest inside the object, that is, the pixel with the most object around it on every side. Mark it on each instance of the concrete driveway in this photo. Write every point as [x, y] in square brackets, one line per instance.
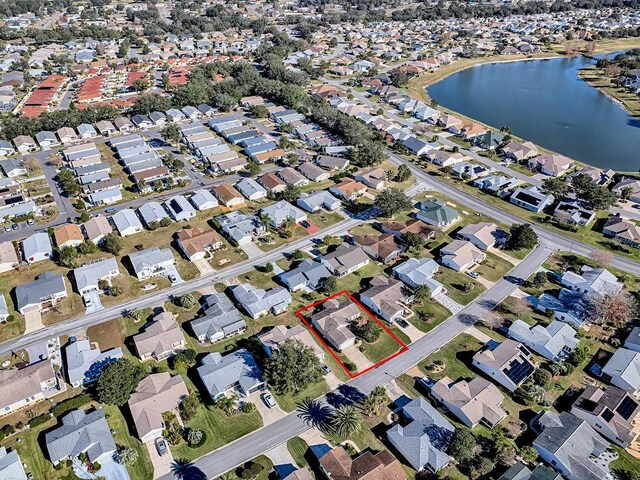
[33, 321]
[96, 305]
[269, 415]
[357, 357]
[161, 464]
[204, 266]
[252, 250]
[172, 270]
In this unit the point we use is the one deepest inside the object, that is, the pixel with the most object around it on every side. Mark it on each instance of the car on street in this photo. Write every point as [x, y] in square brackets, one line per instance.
[7, 228]
[268, 400]
[161, 446]
[111, 210]
[30, 221]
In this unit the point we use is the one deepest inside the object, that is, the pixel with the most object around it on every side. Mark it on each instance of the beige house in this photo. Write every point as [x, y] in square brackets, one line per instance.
[481, 235]
[68, 236]
[461, 255]
[156, 394]
[333, 322]
[388, 298]
[228, 196]
[379, 247]
[196, 242]
[97, 228]
[20, 388]
[8, 257]
[274, 338]
[474, 402]
[349, 189]
[345, 259]
[161, 339]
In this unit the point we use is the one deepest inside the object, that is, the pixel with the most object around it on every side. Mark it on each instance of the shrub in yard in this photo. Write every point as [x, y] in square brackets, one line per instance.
[256, 469]
[72, 403]
[39, 420]
[248, 407]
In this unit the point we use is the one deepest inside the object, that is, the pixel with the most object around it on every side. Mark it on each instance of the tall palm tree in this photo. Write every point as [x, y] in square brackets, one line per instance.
[345, 421]
[422, 293]
[185, 470]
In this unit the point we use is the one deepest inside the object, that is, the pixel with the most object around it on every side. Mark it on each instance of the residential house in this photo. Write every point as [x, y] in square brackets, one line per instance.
[374, 177]
[152, 213]
[89, 276]
[597, 282]
[279, 212]
[236, 372]
[195, 243]
[24, 144]
[554, 342]
[292, 177]
[519, 471]
[416, 272]
[251, 189]
[81, 433]
[531, 198]
[461, 255]
[314, 202]
[11, 465]
[152, 262]
[36, 248]
[469, 171]
[272, 183]
[482, 235]
[273, 339]
[337, 464]
[155, 395]
[333, 322]
[437, 213]
[345, 259]
[308, 275]
[8, 257]
[388, 298]
[85, 364]
[161, 339]
[332, 163]
[43, 294]
[509, 363]
[13, 167]
[221, 319]
[240, 228]
[519, 152]
[571, 446]
[574, 212]
[379, 247]
[4, 308]
[443, 158]
[22, 387]
[551, 164]
[313, 172]
[498, 185]
[569, 306]
[628, 185]
[348, 189]
[126, 222]
[257, 301]
[622, 231]
[424, 437]
[69, 235]
[179, 208]
[203, 200]
[96, 228]
[610, 412]
[412, 225]
[228, 196]
[472, 402]
[623, 371]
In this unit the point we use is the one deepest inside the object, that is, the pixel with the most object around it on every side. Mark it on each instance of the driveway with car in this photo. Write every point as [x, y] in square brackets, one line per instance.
[161, 463]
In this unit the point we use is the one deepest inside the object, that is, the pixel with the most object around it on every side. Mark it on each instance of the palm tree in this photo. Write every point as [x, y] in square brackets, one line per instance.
[185, 470]
[287, 226]
[194, 436]
[422, 293]
[372, 402]
[313, 412]
[345, 421]
[127, 456]
[265, 218]
[226, 404]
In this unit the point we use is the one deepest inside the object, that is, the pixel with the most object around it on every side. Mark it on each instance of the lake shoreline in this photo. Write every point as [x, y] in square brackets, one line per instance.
[583, 74]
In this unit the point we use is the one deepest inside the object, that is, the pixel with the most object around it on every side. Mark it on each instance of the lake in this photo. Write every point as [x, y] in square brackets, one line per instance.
[546, 102]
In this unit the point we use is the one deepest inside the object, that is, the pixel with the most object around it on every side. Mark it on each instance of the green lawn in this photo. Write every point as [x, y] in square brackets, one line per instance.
[219, 428]
[290, 402]
[456, 356]
[385, 346]
[429, 316]
[298, 448]
[625, 464]
[494, 268]
[455, 283]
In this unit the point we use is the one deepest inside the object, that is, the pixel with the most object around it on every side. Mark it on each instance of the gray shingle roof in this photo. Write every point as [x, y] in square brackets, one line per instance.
[79, 433]
[45, 285]
[221, 316]
[239, 367]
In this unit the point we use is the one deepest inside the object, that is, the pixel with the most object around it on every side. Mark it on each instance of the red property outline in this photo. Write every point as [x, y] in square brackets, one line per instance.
[403, 348]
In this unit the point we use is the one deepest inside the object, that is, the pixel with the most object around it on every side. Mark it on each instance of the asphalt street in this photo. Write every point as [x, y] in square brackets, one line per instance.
[277, 433]
[161, 296]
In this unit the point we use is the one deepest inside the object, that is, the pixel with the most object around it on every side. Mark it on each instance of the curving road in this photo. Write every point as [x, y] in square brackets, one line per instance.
[263, 440]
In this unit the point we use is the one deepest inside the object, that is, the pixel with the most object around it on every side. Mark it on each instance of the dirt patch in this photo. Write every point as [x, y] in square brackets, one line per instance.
[107, 334]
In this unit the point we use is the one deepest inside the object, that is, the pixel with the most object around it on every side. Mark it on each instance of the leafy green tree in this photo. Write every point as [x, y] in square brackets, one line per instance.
[531, 393]
[140, 85]
[367, 330]
[171, 132]
[404, 173]
[298, 254]
[189, 407]
[555, 186]
[371, 403]
[227, 404]
[422, 293]
[392, 201]
[194, 436]
[579, 355]
[291, 193]
[187, 301]
[542, 378]
[165, 222]
[68, 257]
[521, 236]
[87, 247]
[330, 285]
[462, 446]
[345, 421]
[412, 240]
[127, 456]
[529, 454]
[259, 111]
[113, 243]
[252, 168]
[292, 368]
[117, 381]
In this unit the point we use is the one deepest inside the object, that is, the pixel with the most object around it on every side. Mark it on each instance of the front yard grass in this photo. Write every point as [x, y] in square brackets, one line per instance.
[429, 315]
[290, 402]
[219, 428]
[455, 358]
[456, 284]
[494, 268]
[385, 346]
[298, 448]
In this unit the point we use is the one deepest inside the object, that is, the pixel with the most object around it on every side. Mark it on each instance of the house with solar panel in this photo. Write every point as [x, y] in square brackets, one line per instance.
[611, 411]
[509, 363]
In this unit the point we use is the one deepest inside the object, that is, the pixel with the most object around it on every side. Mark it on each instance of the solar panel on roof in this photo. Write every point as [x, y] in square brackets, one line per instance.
[607, 414]
[627, 407]
[518, 371]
